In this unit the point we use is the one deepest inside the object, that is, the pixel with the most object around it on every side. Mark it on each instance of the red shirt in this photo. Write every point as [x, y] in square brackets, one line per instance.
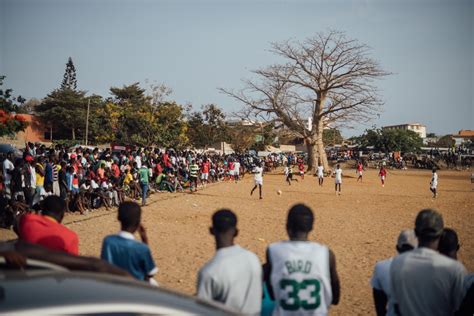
[47, 232]
[359, 167]
[382, 173]
[205, 167]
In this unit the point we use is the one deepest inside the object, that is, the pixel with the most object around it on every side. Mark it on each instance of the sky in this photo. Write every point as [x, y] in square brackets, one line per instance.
[195, 47]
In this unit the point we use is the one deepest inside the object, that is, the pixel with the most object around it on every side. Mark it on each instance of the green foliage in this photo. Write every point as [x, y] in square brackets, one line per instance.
[9, 124]
[65, 111]
[389, 140]
[446, 141]
[207, 127]
[135, 119]
[69, 79]
[332, 137]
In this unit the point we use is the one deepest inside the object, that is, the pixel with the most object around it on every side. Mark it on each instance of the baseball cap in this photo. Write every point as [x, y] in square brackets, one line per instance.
[407, 237]
[429, 223]
[73, 156]
[29, 158]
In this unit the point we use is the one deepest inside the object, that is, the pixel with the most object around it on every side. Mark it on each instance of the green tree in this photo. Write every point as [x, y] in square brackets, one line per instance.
[64, 112]
[207, 127]
[446, 141]
[69, 79]
[10, 123]
[332, 136]
[389, 140]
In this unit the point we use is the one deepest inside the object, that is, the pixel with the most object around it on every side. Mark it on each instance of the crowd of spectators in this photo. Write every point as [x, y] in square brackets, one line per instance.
[90, 178]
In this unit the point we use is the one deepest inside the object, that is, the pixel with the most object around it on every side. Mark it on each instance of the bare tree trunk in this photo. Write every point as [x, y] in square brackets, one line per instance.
[323, 159]
[73, 134]
[51, 133]
[313, 155]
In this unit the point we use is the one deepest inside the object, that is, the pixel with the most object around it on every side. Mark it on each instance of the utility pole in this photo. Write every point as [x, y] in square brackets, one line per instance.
[87, 120]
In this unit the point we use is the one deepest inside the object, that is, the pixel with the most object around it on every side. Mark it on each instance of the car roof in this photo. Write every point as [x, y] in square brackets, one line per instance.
[46, 291]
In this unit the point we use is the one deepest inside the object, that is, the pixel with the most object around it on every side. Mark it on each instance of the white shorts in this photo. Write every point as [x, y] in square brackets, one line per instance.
[258, 181]
[359, 173]
[338, 181]
[382, 178]
[320, 176]
[204, 176]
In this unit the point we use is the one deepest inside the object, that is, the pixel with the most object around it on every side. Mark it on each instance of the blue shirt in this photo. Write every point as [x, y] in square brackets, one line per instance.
[129, 254]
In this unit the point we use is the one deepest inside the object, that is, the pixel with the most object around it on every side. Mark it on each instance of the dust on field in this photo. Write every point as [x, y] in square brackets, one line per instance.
[361, 226]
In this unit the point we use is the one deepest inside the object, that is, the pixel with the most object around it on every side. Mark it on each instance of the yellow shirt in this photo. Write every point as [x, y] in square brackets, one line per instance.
[128, 178]
[39, 178]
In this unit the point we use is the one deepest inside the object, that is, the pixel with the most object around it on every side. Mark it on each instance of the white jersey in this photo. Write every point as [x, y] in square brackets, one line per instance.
[434, 180]
[300, 278]
[381, 281]
[320, 171]
[236, 168]
[258, 175]
[233, 277]
[338, 174]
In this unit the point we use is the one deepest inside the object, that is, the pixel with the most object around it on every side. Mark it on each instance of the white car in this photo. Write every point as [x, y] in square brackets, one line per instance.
[47, 289]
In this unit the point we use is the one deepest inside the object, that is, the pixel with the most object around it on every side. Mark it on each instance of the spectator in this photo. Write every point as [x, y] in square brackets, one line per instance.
[380, 281]
[46, 229]
[234, 275]
[124, 251]
[299, 264]
[449, 243]
[424, 282]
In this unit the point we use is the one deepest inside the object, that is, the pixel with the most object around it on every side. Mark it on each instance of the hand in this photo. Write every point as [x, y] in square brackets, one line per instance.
[14, 259]
[143, 235]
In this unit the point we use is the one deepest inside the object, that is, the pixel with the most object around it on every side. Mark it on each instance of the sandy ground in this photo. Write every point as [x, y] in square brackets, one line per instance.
[361, 226]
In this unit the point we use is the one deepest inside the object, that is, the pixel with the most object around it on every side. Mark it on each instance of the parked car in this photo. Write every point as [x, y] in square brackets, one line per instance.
[42, 288]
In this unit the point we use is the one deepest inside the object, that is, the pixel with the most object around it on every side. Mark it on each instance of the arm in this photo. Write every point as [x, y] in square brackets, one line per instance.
[204, 286]
[267, 271]
[335, 284]
[380, 302]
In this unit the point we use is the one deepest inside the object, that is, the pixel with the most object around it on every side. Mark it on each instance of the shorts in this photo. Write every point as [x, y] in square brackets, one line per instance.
[338, 181]
[320, 176]
[382, 178]
[359, 173]
[204, 176]
[258, 181]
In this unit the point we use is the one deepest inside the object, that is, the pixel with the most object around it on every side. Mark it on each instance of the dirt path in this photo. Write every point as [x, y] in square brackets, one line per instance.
[361, 226]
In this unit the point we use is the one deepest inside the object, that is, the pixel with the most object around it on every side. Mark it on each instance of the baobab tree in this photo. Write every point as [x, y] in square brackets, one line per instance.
[325, 80]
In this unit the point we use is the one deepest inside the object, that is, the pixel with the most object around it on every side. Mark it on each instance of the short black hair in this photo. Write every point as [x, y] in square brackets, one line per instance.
[129, 214]
[53, 206]
[300, 218]
[448, 242]
[223, 220]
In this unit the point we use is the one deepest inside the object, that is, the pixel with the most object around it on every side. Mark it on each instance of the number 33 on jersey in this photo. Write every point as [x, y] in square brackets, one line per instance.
[300, 278]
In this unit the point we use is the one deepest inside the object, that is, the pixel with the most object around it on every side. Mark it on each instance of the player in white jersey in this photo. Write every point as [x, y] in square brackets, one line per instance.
[236, 171]
[338, 179]
[434, 183]
[302, 275]
[320, 174]
[234, 275]
[258, 177]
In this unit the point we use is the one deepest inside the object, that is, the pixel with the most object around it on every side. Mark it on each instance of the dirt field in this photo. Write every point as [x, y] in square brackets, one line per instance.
[360, 226]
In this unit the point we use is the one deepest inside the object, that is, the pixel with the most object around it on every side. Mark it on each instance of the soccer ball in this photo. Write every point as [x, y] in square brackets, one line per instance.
[279, 192]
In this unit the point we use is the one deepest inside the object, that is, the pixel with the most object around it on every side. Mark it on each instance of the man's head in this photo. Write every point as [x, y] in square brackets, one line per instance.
[129, 216]
[54, 207]
[300, 221]
[449, 243]
[224, 224]
[428, 226]
[434, 170]
[406, 240]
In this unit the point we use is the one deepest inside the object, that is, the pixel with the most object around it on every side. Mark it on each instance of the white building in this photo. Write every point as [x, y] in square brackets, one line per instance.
[418, 128]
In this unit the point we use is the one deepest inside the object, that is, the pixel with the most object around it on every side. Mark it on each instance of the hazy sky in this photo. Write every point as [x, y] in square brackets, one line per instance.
[196, 46]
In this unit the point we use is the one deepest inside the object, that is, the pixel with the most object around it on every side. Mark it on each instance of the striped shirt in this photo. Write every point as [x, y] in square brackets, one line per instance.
[193, 170]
